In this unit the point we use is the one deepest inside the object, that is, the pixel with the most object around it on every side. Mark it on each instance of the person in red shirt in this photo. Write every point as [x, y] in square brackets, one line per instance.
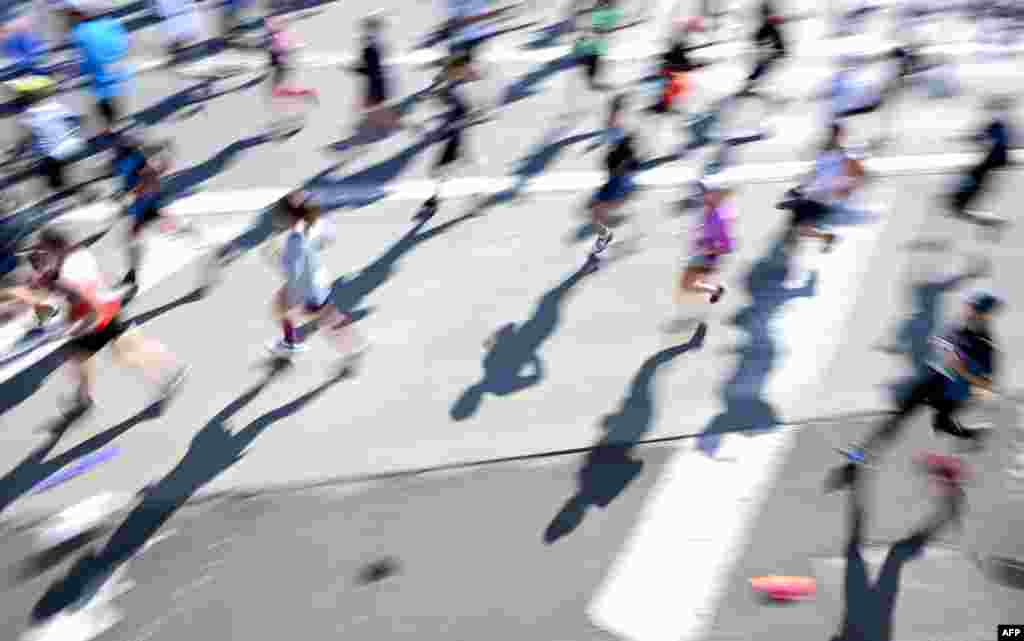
[73, 273]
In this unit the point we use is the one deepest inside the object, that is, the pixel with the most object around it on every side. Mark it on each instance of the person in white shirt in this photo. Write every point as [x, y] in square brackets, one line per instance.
[52, 132]
[306, 293]
[72, 272]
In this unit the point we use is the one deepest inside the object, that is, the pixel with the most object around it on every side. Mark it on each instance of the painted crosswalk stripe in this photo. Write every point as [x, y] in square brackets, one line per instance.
[667, 581]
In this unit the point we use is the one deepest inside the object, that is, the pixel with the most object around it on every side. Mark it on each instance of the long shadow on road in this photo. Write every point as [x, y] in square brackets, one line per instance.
[214, 449]
[524, 86]
[609, 467]
[512, 349]
[745, 408]
[535, 164]
[869, 609]
[349, 293]
[36, 467]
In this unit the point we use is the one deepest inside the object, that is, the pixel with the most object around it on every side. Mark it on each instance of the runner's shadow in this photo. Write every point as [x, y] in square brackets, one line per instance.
[36, 468]
[609, 467]
[869, 609]
[535, 164]
[366, 135]
[143, 318]
[182, 182]
[745, 408]
[195, 96]
[548, 37]
[512, 349]
[213, 450]
[524, 86]
[349, 293]
[913, 337]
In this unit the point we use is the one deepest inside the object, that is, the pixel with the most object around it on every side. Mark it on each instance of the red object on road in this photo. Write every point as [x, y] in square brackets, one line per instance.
[785, 588]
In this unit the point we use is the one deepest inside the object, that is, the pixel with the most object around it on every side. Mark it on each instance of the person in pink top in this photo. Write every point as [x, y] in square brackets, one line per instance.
[713, 240]
[286, 97]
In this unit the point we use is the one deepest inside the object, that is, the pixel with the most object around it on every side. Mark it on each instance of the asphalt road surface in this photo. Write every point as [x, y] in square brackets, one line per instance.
[583, 476]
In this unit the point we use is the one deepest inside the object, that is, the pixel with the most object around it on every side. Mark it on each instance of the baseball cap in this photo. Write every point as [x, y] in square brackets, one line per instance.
[984, 302]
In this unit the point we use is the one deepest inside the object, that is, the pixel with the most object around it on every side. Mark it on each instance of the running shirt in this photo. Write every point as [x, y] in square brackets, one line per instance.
[103, 45]
[850, 92]
[53, 129]
[714, 234]
[81, 272]
[26, 49]
[998, 135]
[307, 278]
[975, 349]
[373, 68]
[829, 175]
[465, 9]
[603, 21]
[769, 39]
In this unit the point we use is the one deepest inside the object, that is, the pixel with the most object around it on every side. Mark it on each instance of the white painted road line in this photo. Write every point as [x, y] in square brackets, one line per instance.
[241, 201]
[667, 582]
[163, 259]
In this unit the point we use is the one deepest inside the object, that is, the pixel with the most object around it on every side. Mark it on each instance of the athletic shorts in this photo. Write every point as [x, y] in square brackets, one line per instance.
[144, 210]
[809, 212]
[94, 342]
[110, 111]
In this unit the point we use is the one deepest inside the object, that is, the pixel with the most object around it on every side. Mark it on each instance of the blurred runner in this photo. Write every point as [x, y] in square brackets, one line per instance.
[141, 167]
[963, 368]
[102, 45]
[997, 136]
[51, 131]
[307, 289]
[181, 23]
[836, 176]
[25, 46]
[592, 46]
[288, 101]
[677, 67]
[378, 90]
[621, 163]
[770, 46]
[72, 272]
[713, 241]
[459, 117]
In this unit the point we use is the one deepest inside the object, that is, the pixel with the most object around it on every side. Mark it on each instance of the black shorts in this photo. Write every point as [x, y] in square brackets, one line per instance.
[143, 211]
[94, 342]
[110, 111]
[53, 170]
[808, 212]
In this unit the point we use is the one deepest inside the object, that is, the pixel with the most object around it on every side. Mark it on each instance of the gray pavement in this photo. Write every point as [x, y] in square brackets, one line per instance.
[587, 363]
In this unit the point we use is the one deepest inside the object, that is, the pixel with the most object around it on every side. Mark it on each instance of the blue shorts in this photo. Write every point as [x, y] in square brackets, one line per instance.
[617, 188]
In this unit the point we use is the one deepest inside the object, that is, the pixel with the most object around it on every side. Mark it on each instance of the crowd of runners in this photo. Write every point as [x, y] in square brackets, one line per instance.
[47, 270]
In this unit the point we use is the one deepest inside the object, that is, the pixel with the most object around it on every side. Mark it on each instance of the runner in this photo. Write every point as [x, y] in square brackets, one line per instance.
[308, 286]
[459, 116]
[181, 24]
[770, 46]
[621, 163]
[713, 242]
[998, 136]
[592, 46]
[51, 131]
[102, 44]
[377, 93]
[677, 67]
[73, 273]
[836, 176]
[141, 167]
[964, 367]
[285, 97]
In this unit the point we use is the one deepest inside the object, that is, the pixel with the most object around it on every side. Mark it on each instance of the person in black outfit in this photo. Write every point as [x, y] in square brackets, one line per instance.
[997, 134]
[459, 113]
[771, 48]
[378, 90]
[965, 366]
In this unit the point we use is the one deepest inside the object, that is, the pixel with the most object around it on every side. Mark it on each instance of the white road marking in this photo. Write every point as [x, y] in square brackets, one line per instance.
[666, 583]
[163, 259]
[219, 203]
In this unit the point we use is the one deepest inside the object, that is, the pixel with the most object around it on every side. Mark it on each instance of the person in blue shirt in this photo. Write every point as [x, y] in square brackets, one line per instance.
[963, 368]
[102, 44]
[25, 48]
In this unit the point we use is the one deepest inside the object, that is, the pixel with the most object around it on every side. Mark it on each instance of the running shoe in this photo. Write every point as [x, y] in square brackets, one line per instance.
[73, 410]
[830, 243]
[717, 296]
[428, 209]
[286, 349]
[602, 243]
